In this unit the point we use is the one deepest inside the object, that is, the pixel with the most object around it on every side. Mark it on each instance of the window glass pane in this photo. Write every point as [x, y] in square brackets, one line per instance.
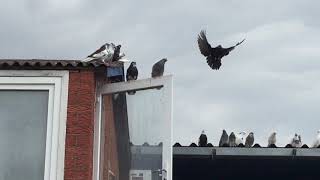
[23, 122]
[136, 133]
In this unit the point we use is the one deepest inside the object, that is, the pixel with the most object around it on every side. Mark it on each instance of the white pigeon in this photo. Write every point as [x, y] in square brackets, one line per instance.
[103, 54]
[317, 141]
[272, 139]
[296, 141]
[240, 137]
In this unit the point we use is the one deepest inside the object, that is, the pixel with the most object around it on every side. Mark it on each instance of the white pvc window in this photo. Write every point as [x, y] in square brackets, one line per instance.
[33, 107]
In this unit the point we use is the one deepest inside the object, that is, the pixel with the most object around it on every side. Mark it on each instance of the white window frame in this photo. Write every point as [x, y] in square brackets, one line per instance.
[56, 83]
[166, 83]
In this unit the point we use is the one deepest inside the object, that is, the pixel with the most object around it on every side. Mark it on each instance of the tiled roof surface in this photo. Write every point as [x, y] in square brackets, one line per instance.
[52, 64]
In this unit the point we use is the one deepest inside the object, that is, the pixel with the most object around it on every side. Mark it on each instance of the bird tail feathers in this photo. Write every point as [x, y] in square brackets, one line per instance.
[88, 59]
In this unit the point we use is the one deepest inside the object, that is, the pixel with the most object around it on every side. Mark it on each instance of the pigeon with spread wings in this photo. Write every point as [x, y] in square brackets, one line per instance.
[213, 55]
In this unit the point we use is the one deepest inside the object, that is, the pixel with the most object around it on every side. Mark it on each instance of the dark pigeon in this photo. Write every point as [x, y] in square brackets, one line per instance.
[132, 74]
[213, 55]
[224, 140]
[203, 141]
[249, 140]
[232, 140]
[158, 68]
[116, 55]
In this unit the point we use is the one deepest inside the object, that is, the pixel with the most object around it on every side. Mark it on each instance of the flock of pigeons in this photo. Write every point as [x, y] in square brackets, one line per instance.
[109, 52]
[234, 140]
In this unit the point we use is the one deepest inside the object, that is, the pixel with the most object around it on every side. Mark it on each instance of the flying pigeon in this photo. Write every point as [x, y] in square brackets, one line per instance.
[224, 138]
[102, 55]
[296, 141]
[232, 140]
[240, 138]
[158, 68]
[317, 141]
[249, 140]
[272, 139]
[132, 74]
[203, 141]
[213, 55]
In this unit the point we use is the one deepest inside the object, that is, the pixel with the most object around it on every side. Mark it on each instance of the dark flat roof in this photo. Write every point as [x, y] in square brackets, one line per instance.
[33, 64]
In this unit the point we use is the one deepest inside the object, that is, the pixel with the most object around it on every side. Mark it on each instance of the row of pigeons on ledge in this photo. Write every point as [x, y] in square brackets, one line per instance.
[243, 140]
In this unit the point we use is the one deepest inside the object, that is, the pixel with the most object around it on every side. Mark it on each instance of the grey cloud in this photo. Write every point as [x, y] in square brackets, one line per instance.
[268, 83]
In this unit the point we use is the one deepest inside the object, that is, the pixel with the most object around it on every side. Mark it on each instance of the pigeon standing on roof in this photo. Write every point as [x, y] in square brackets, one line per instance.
[203, 141]
[317, 141]
[132, 74]
[232, 140]
[102, 55]
[272, 139]
[240, 138]
[249, 140]
[224, 139]
[213, 55]
[296, 141]
[158, 68]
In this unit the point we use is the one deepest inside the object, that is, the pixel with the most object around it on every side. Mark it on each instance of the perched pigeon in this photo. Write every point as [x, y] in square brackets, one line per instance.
[224, 138]
[240, 138]
[203, 141]
[213, 55]
[132, 74]
[317, 141]
[232, 140]
[107, 52]
[296, 141]
[116, 55]
[249, 140]
[272, 139]
[158, 68]
[102, 55]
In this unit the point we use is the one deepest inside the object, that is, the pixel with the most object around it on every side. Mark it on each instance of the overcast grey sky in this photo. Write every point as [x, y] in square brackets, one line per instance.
[270, 82]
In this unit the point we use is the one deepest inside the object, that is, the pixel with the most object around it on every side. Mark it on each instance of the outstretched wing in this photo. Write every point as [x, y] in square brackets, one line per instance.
[98, 51]
[203, 44]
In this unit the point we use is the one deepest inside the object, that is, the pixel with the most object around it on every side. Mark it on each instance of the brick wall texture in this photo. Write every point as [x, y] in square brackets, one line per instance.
[80, 126]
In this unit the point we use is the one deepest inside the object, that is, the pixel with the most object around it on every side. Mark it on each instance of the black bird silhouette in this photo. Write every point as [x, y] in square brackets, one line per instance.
[158, 68]
[132, 74]
[116, 55]
[203, 141]
[213, 55]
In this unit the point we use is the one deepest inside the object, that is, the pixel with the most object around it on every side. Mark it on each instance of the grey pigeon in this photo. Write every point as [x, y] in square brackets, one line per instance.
[317, 141]
[272, 139]
[213, 55]
[224, 138]
[158, 68]
[132, 74]
[203, 141]
[232, 140]
[296, 141]
[249, 140]
[101, 55]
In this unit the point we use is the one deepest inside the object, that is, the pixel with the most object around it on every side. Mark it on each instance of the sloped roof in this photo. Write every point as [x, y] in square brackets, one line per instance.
[6, 64]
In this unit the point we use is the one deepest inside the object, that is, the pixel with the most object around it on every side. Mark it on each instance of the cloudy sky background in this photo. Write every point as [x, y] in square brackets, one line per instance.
[269, 83]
